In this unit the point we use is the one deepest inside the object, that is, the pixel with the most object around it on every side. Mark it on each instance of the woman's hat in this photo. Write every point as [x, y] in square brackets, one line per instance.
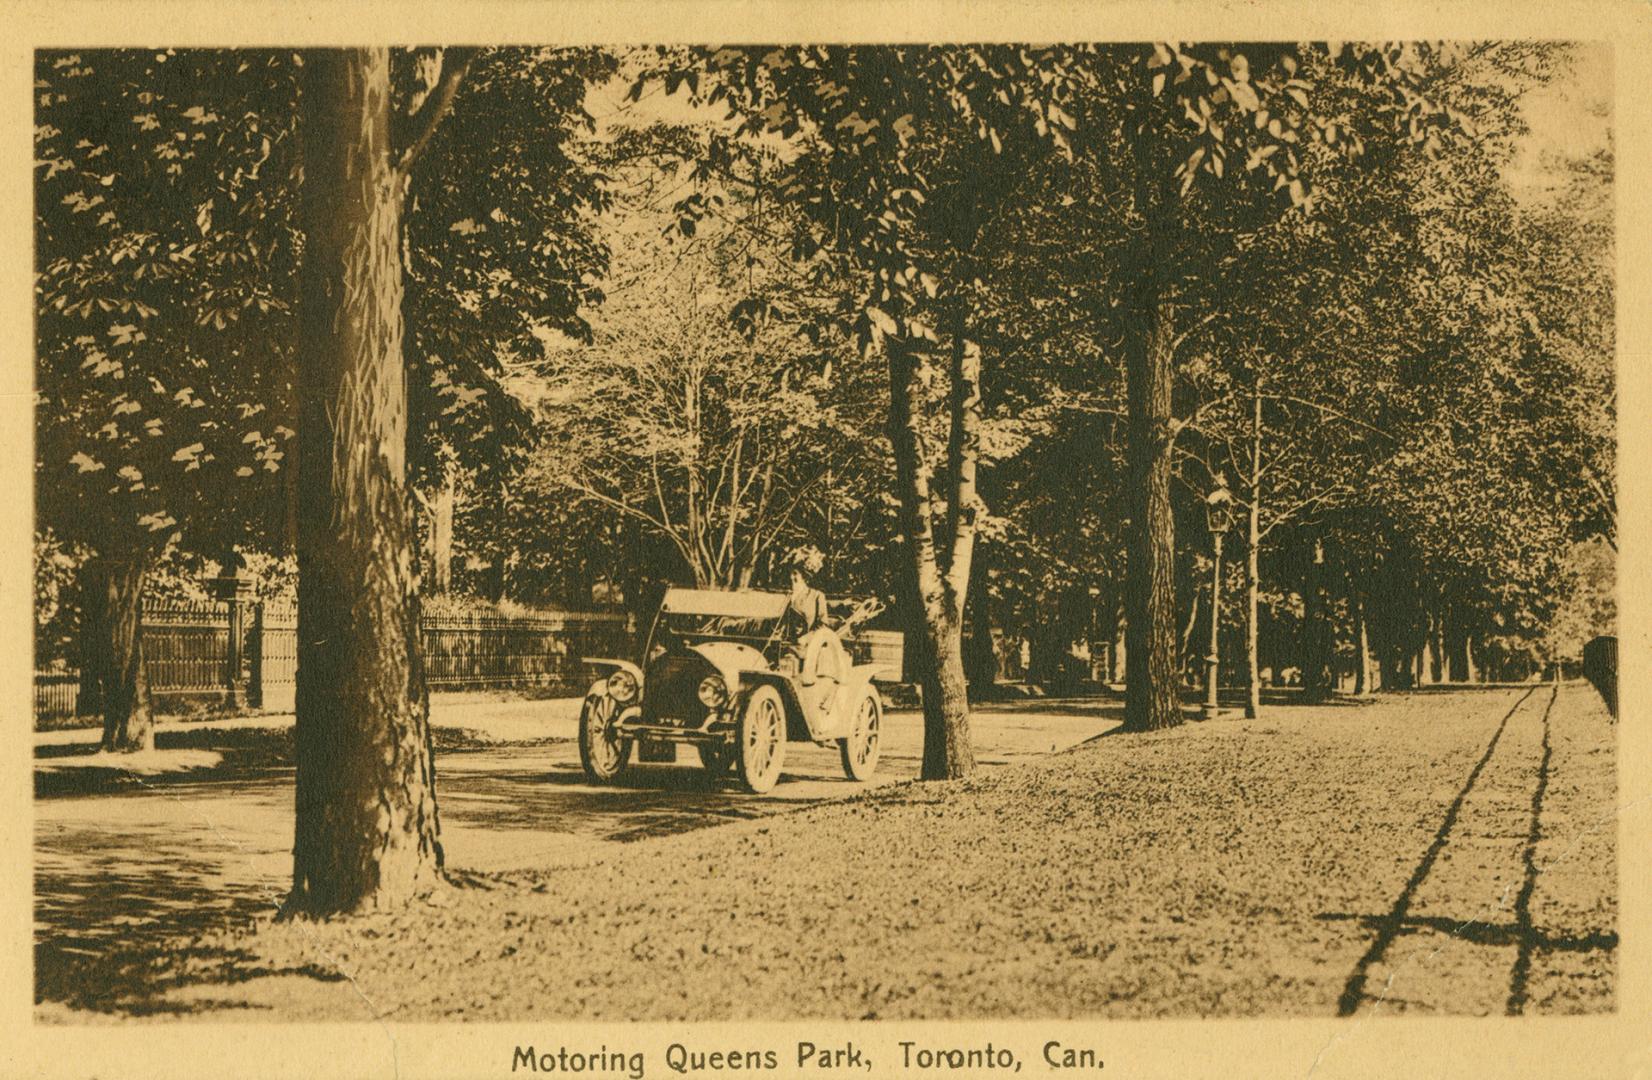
[806, 558]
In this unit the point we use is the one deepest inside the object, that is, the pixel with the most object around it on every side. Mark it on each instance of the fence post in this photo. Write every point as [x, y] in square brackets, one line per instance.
[235, 590]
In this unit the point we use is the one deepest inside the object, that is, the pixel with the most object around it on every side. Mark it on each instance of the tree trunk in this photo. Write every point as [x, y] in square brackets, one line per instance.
[367, 833]
[1185, 655]
[980, 655]
[1253, 563]
[947, 751]
[1456, 646]
[1151, 699]
[128, 719]
[441, 535]
[1253, 616]
[1362, 650]
[1399, 675]
[948, 754]
[94, 638]
[1116, 661]
[1315, 665]
[1436, 645]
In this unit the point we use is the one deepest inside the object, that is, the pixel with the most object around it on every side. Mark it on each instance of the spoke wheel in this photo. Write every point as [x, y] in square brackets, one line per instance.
[602, 752]
[860, 750]
[761, 740]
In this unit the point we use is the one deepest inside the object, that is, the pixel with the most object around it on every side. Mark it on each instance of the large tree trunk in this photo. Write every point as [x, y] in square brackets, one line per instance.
[948, 754]
[1151, 699]
[128, 718]
[940, 595]
[367, 833]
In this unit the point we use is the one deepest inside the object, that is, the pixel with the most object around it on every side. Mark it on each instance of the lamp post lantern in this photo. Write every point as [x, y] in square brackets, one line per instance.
[1218, 518]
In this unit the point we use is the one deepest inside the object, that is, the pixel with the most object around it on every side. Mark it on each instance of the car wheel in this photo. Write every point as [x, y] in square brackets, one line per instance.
[717, 758]
[761, 740]
[861, 748]
[602, 752]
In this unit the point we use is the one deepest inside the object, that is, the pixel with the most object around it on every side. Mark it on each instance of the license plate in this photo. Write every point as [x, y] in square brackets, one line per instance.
[656, 751]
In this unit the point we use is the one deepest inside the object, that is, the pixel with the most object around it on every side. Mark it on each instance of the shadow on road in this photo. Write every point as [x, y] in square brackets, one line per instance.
[644, 802]
[116, 932]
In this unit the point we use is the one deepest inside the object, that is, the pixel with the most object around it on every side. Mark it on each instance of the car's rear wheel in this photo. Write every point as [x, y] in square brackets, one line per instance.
[717, 758]
[860, 750]
[761, 742]
[602, 752]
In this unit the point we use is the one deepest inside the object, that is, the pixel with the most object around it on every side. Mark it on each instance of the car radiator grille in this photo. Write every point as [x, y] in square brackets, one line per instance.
[672, 693]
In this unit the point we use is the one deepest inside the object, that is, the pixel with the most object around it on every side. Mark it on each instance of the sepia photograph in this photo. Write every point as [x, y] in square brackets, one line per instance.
[822, 537]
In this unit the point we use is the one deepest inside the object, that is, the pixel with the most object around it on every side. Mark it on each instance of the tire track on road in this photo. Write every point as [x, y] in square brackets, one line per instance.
[1524, 929]
[1353, 992]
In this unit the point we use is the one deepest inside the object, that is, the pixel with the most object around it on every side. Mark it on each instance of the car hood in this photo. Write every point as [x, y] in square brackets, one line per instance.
[730, 658]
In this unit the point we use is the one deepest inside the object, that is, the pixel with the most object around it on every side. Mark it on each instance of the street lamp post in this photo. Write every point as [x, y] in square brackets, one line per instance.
[1218, 518]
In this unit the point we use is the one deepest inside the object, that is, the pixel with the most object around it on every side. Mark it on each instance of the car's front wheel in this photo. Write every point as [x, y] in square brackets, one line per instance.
[603, 753]
[761, 743]
[860, 750]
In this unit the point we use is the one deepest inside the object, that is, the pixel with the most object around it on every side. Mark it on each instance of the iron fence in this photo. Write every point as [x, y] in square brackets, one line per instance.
[188, 650]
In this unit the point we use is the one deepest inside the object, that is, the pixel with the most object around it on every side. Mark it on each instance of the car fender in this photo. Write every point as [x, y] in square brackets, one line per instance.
[856, 683]
[797, 725]
[862, 676]
[872, 673]
[605, 667]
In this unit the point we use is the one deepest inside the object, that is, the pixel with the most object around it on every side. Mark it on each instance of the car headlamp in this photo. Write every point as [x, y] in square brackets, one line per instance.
[713, 692]
[622, 686]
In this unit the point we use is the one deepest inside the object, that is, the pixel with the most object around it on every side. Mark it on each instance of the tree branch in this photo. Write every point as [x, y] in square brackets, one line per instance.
[455, 62]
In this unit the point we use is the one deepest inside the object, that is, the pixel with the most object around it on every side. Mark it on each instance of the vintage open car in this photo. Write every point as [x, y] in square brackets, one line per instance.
[716, 673]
